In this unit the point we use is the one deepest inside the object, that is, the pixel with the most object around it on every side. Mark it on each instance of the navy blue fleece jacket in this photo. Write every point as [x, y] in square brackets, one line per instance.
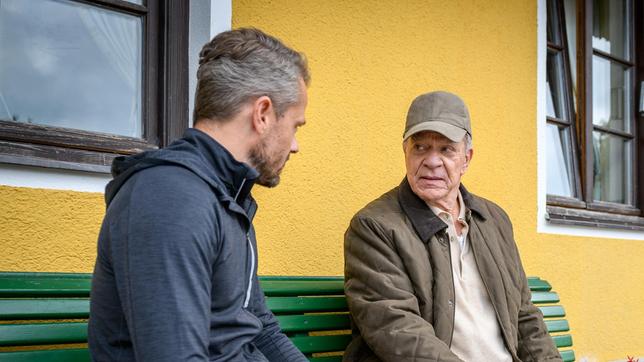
[176, 271]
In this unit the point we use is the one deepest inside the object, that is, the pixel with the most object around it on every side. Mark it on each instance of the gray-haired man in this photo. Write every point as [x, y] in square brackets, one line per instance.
[432, 271]
[176, 272]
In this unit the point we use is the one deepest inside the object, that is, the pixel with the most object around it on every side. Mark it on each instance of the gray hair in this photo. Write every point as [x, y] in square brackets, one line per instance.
[468, 142]
[243, 64]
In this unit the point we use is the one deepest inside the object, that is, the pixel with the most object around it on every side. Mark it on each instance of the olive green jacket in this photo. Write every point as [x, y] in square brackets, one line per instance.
[399, 287]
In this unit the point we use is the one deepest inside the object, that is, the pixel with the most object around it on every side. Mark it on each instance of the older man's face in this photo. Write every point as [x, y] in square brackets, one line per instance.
[435, 165]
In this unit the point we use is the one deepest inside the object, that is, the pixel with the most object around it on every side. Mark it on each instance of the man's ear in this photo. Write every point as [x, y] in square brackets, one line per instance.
[263, 114]
[468, 158]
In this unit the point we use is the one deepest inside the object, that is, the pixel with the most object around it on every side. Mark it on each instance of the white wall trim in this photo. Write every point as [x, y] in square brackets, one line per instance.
[543, 226]
[56, 179]
[221, 16]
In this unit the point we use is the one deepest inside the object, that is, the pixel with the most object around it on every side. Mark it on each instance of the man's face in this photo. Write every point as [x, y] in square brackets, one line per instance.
[278, 142]
[435, 165]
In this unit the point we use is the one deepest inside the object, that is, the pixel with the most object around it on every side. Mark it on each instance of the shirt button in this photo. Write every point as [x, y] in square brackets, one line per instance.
[451, 303]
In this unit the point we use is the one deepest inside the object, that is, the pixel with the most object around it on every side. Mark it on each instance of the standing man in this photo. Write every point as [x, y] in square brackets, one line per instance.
[176, 272]
[432, 271]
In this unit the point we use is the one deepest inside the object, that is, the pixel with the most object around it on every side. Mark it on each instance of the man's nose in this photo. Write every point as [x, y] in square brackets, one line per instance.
[432, 160]
[295, 147]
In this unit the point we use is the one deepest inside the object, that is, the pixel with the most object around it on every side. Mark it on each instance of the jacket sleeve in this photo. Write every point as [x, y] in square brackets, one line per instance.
[382, 301]
[535, 344]
[162, 252]
[273, 344]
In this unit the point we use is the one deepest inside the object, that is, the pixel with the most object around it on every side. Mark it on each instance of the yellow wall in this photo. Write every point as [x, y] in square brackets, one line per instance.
[46, 230]
[369, 59]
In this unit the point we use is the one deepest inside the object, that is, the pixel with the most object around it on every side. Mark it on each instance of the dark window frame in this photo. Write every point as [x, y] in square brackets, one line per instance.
[164, 100]
[585, 211]
[562, 49]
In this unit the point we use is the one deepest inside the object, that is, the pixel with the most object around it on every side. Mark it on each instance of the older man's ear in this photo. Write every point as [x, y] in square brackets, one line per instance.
[468, 158]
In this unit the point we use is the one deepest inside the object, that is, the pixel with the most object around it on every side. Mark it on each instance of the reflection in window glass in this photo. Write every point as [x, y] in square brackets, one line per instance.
[610, 27]
[70, 65]
[555, 92]
[551, 25]
[570, 12]
[558, 161]
[611, 94]
[612, 169]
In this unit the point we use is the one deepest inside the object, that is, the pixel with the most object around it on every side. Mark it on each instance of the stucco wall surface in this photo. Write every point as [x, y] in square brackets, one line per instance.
[47, 230]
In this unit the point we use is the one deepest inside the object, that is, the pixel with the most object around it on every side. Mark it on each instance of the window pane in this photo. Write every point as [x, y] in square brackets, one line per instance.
[611, 94]
[559, 161]
[570, 12]
[610, 27]
[612, 168]
[70, 65]
[555, 103]
[552, 23]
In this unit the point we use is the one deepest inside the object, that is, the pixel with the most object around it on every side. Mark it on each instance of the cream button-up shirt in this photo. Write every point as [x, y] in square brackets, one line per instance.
[477, 334]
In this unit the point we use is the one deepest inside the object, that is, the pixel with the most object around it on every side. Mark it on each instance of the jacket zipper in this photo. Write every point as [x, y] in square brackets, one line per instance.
[453, 300]
[250, 274]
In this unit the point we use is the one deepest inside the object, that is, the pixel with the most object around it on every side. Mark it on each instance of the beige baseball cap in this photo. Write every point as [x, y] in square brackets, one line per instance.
[441, 112]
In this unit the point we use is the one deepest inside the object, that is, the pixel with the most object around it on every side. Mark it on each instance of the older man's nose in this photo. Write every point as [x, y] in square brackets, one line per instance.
[432, 160]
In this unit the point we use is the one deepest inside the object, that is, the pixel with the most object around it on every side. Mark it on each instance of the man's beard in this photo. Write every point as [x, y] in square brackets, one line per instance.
[268, 174]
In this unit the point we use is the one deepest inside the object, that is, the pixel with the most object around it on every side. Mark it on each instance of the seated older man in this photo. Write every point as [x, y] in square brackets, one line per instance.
[432, 271]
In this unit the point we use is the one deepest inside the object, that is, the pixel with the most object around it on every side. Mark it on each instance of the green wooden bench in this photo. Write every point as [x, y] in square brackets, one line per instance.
[46, 313]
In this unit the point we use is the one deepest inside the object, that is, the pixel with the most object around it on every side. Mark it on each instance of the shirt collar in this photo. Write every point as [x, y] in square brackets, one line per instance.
[461, 205]
[423, 219]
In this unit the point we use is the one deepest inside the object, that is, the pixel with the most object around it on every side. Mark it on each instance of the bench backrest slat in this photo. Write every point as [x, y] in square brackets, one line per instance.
[50, 355]
[42, 333]
[45, 308]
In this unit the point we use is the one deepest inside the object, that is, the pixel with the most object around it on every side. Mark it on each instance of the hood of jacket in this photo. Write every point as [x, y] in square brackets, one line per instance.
[230, 179]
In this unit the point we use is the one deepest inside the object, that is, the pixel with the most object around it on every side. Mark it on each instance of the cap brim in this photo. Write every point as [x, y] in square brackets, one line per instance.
[455, 134]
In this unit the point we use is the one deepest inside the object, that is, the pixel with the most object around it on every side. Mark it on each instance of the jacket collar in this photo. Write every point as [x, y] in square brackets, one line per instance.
[237, 177]
[423, 219]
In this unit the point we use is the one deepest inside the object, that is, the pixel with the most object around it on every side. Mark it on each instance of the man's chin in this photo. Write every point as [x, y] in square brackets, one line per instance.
[268, 181]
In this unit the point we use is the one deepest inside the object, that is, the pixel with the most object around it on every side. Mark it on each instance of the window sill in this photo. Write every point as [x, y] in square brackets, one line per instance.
[579, 217]
[55, 157]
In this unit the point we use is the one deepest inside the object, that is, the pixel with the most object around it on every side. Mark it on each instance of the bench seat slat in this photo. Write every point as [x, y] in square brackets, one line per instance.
[306, 304]
[42, 333]
[44, 308]
[313, 322]
[314, 344]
